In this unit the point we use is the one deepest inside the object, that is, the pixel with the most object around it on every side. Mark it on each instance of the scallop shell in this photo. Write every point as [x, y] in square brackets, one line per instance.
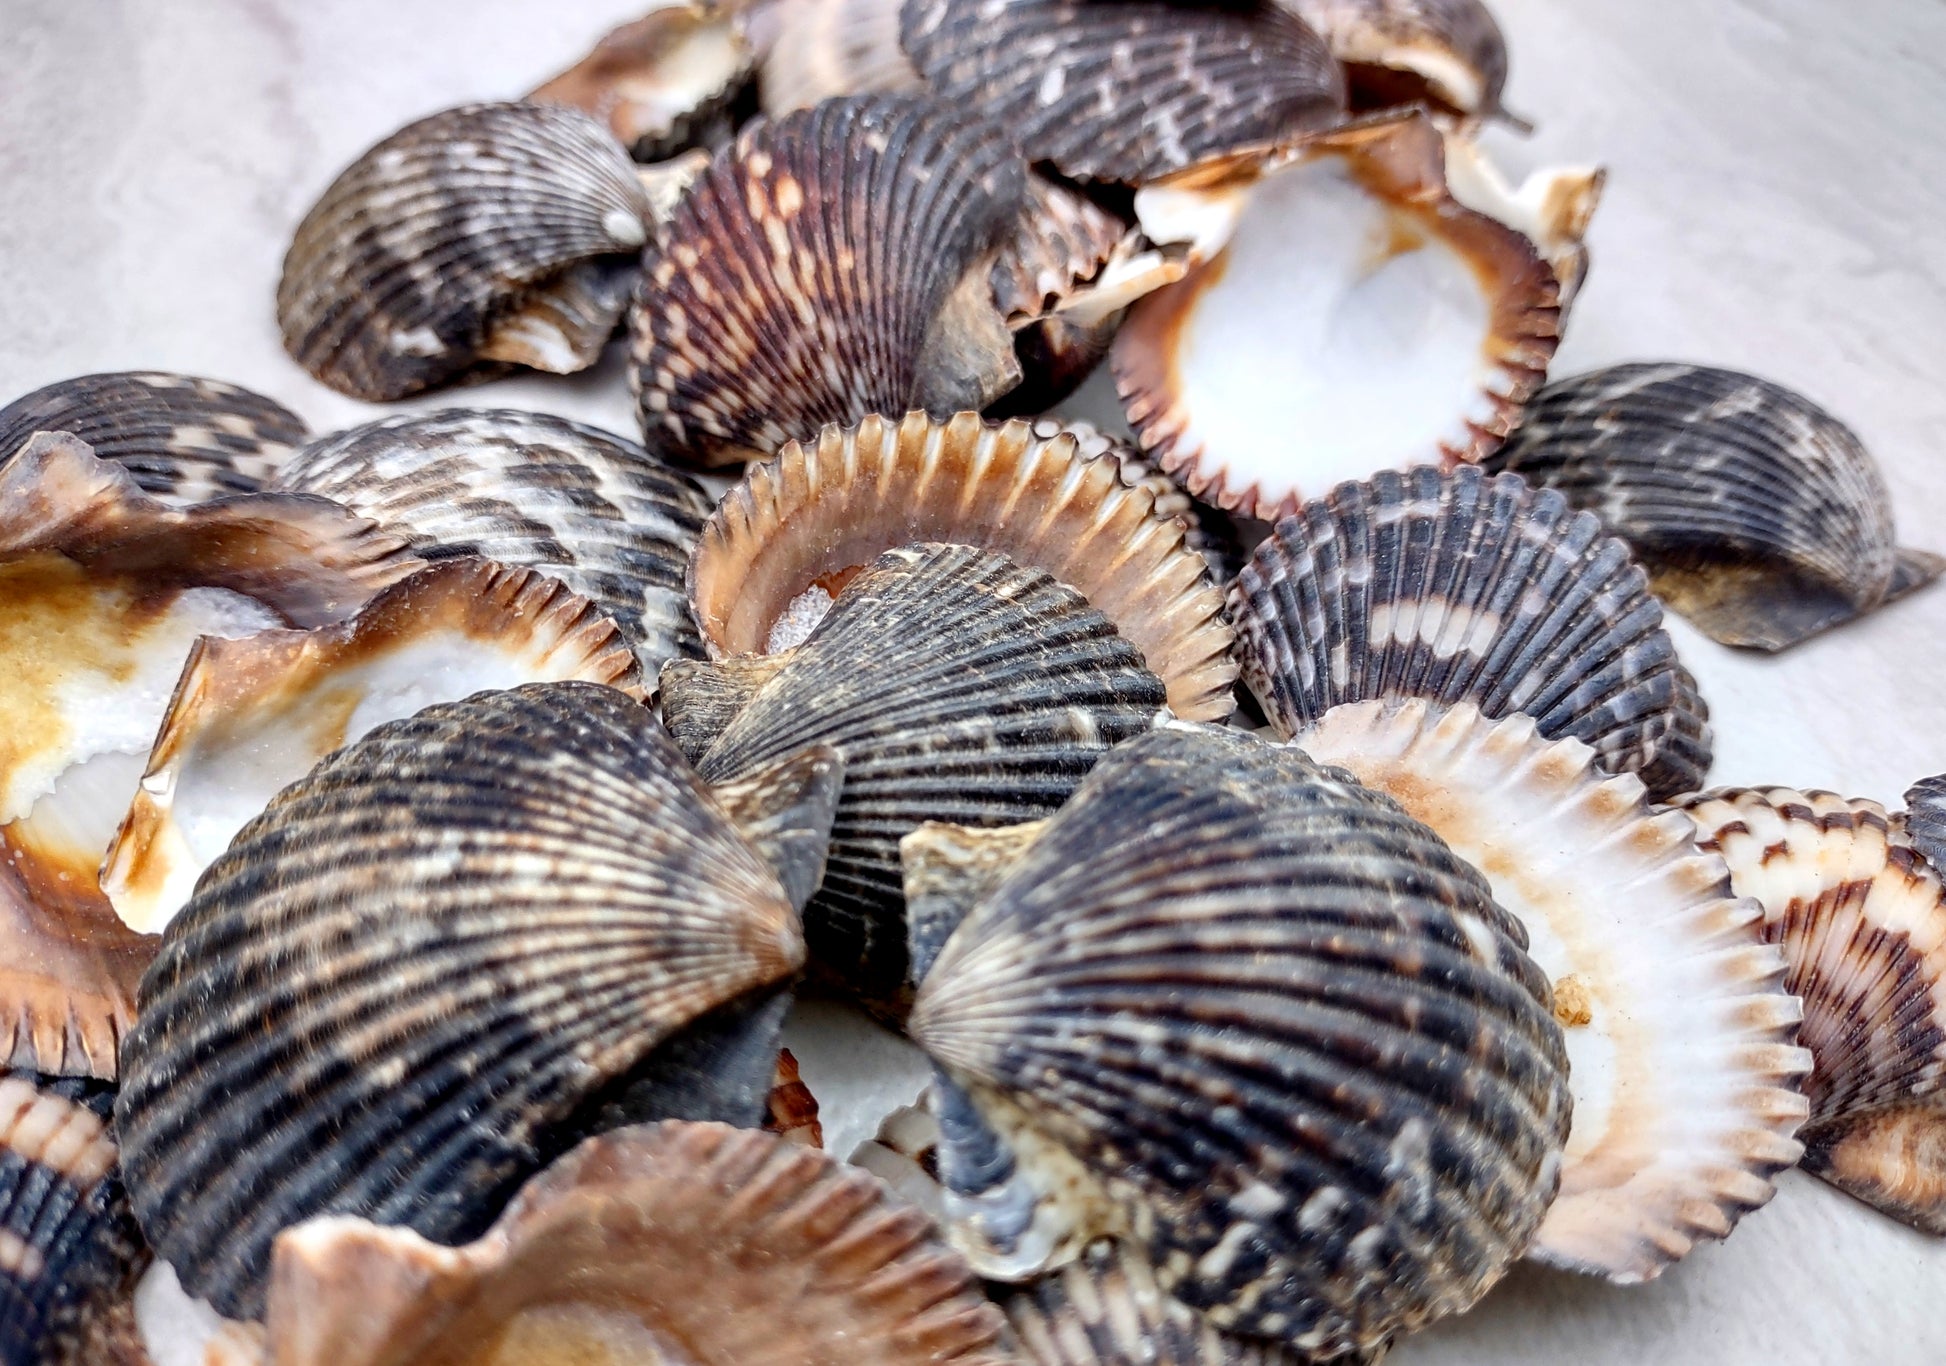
[830, 265]
[1407, 328]
[1553, 207]
[585, 506]
[958, 686]
[1466, 587]
[1126, 90]
[1252, 1018]
[1680, 1034]
[818, 511]
[1760, 516]
[1923, 824]
[815, 49]
[426, 255]
[1862, 923]
[436, 962]
[186, 440]
[1448, 53]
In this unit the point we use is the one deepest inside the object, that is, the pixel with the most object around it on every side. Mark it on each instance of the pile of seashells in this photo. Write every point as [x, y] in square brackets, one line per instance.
[416, 835]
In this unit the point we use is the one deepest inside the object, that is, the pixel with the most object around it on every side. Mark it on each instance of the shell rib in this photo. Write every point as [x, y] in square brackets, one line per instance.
[815, 49]
[1448, 52]
[1759, 515]
[1680, 1034]
[1923, 824]
[1464, 588]
[1861, 919]
[426, 255]
[819, 510]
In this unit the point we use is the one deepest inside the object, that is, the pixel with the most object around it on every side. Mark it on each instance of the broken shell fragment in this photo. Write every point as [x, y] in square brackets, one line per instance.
[792, 1111]
[1760, 516]
[815, 49]
[444, 245]
[1446, 53]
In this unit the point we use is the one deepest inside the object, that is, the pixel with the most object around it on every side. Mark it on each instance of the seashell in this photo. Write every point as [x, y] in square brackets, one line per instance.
[439, 960]
[1552, 208]
[815, 49]
[186, 440]
[1182, 82]
[1465, 587]
[1409, 328]
[1861, 919]
[957, 685]
[803, 521]
[1759, 515]
[1923, 823]
[690, 1242]
[830, 265]
[1679, 1031]
[582, 505]
[1682, 756]
[442, 247]
[251, 716]
[1448, 54]
[792, 1111]
[1250, 1018]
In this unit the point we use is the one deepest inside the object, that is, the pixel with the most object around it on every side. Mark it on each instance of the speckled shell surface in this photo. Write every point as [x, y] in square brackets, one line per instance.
[1398, 51]
[1463, 587]
[814, 49]
[1760, 516]
[426, 251]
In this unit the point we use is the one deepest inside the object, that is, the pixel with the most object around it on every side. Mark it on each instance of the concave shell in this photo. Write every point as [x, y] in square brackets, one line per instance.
[815, 49]
[822, 509]
[439, 960]
[251, 716]
[1553, 207]
[831, 264]
[1465, 587]
[582, 505]
[1346, 314]
[1126, 90]
[1252, 1017]
[1446, 52]
[958, 685]
[441, 247]
[1760, 516]
[1861, 919]
[186, 440]
[1679, 1031]
[1923, 823]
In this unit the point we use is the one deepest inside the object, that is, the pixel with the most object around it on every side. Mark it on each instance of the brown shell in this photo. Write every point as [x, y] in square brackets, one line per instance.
[793, 1110]
[1448, 53]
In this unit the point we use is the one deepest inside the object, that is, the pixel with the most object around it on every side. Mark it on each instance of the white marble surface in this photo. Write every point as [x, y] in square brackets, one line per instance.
[1777, 186]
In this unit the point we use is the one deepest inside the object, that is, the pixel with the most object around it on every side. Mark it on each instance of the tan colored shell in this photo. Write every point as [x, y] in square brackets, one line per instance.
[815, 49]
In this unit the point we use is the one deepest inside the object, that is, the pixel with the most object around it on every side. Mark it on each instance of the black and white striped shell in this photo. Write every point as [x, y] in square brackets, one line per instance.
[1760, 516]
[831, 264]
[1126, 90]
[815, 49]
[1465, 587]
[447, 954]
[585, 506]
[1923, 823]
[1447, 52]
[491, 232]
[186, 440]
[1252, 1017]
[958, 686]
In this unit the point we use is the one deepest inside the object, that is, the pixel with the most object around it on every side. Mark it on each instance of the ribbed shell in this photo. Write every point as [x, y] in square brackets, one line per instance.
[830, 264]
[1285, 1033]
[400, 275]
[427, 969]
[1683, 756]
[1126, 90]
[1064, 242]
[186, 440]
[1398, 51]
[820, 48]
[583, 505]
[1759, 515]
[1463, 588]
[1924, 821]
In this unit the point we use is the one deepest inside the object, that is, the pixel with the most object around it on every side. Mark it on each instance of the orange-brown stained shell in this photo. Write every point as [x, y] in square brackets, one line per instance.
[793, 1109]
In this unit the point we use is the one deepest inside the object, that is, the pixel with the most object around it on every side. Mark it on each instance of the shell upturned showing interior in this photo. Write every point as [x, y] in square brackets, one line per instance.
[1218, 948]
[1466, 587]
[1680, 1034]
[1396, 52]
[820, 510]
[438, 249]
[1760, 516]
[831, 264]
[1346, 314]
[815, 49]
[1861, 919]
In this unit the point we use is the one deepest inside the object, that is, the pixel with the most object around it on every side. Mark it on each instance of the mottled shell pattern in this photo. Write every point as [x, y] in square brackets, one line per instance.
[1923, 823]
[1397, 52]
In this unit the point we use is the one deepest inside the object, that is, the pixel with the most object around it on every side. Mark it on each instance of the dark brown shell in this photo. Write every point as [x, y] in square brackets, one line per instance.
[1449, 53]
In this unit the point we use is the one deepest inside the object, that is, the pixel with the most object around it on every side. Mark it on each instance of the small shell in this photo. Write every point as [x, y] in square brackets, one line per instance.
[585, 506]
[1251, 1017]
[1126, 90]
[792, 1109]
[817, 511]
[1679, 1031]
[1405, 328]
[186, 440]
[815, 49]
[437, 961]
[1861, 919]
[830, 265]
[1923, 825]
[1446, 52]
[1759, 515]
[1466, 588]
[425, 256]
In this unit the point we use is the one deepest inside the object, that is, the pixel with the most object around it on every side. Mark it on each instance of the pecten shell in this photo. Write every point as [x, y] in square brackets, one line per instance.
[1449, 53]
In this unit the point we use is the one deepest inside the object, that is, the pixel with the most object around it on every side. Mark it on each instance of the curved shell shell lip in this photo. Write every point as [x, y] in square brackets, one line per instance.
[823, 508]
[1448, 53]
[1553, 207]
[1923, 823]
[816, 49]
